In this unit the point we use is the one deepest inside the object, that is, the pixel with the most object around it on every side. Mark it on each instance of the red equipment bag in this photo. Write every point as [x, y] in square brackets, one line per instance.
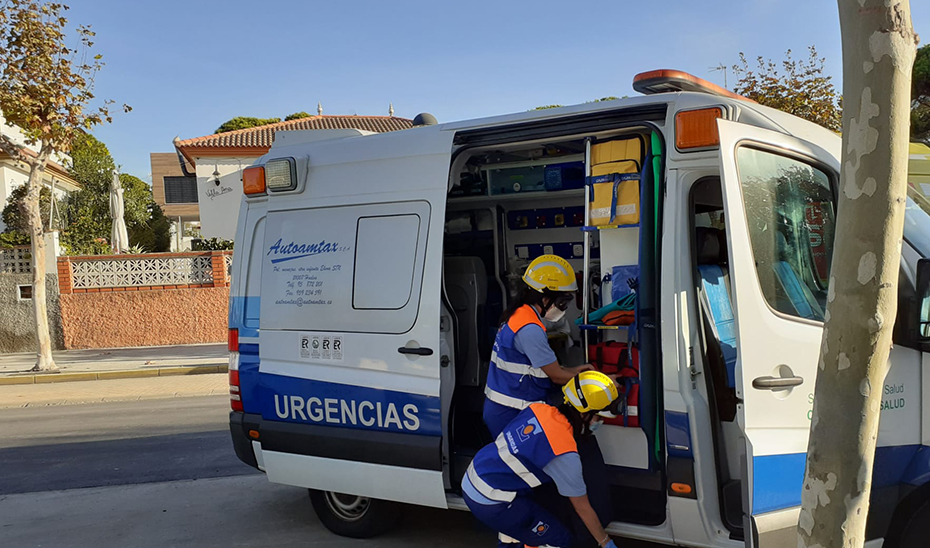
[614, 358]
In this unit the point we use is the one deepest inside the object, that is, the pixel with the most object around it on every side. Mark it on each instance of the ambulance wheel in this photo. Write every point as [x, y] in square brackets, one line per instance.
[917, 529]
[910, 525]
[354, 516]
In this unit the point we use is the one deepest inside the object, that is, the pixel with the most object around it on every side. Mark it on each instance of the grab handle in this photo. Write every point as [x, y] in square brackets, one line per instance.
[421, 351]
[776, 383]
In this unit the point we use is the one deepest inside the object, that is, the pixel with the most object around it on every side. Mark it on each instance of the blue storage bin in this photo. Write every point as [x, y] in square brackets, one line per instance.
[565, 176]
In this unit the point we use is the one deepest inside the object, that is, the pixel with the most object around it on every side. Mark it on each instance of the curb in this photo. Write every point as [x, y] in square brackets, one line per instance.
[45, 378]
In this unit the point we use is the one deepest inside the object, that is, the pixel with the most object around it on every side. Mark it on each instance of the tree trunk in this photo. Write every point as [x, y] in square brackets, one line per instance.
[878, 54]
[44, 360]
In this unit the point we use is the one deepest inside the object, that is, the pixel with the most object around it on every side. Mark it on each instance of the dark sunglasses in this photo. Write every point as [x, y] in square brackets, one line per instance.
[562, 301]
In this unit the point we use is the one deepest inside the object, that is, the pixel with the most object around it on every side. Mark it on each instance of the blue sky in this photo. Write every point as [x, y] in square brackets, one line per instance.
[186, 67]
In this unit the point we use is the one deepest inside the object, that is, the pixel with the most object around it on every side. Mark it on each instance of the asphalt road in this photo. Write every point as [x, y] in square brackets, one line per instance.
[74, 446]
[162, 473]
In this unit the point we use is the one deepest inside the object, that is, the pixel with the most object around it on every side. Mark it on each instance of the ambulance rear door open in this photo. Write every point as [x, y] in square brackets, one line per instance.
[350, 304]
[779, 211]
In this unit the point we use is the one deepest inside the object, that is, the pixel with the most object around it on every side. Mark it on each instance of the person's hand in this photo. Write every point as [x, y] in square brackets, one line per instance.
[610, 544]
[583, 368]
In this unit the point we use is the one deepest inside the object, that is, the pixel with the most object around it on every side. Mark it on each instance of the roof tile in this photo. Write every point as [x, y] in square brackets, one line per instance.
[263, 136]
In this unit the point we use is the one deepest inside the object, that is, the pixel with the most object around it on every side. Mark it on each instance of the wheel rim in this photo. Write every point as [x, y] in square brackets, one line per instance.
[347, 507]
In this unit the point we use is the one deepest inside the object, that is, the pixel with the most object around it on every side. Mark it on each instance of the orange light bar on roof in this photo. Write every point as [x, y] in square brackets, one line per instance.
[253, 180]
[670, 81]
[697, 128]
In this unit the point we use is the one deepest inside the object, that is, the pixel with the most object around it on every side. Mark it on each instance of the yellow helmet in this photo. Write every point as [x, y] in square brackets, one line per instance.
[550, 272]
[590, 391]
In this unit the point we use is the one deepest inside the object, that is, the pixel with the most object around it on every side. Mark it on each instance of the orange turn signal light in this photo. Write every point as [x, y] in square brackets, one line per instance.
[253, 180]
[253, 434]
[681, 488]
[697, 128]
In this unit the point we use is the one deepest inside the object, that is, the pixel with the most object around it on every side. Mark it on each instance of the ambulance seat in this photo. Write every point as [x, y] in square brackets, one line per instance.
[715, 297]
[466, 282]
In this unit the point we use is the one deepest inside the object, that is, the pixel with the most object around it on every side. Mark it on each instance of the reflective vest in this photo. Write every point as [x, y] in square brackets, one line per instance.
[512, 380]
[514, 462]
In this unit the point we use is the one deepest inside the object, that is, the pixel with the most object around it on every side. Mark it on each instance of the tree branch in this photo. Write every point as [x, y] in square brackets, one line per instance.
[15, 150]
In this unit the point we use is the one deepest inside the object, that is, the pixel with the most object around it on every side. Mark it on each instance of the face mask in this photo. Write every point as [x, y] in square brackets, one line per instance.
[595, 424]
[554, 314]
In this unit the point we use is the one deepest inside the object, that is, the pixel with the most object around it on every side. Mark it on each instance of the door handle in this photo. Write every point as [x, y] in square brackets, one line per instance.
[776, 383]
[421, 351]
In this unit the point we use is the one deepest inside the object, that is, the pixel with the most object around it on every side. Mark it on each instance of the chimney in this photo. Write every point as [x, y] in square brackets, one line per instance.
[319, 108]
[391, 110]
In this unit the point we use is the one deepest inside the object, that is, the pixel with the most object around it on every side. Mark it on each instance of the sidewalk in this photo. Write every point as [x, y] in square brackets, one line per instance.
[72, 393]
[117, 363]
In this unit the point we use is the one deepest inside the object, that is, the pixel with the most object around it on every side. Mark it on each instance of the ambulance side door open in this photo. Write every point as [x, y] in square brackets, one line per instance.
[779, 211]
[350, 349]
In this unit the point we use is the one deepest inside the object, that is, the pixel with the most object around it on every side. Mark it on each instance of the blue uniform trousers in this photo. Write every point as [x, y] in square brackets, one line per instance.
[524, 520]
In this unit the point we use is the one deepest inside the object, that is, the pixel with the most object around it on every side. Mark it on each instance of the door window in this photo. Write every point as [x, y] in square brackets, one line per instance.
[790, 209]
[385, 256]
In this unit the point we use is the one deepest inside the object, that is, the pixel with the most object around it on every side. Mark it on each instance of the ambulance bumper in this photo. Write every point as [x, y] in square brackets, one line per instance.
[239, 425]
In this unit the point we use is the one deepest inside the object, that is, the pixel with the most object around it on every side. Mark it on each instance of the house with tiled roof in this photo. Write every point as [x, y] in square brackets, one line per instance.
[202, 180]
[14, 173]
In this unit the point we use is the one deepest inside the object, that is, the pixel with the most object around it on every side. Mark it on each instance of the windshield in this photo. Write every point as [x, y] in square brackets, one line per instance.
[917, 222]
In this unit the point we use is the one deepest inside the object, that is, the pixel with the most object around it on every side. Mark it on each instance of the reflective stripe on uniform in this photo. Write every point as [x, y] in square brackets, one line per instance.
[517, 368]
[487, 490]
[514, 463]
[505, 400]
[507, 540]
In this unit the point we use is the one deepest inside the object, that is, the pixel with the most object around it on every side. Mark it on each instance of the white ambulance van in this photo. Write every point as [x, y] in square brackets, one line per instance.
[370, 272]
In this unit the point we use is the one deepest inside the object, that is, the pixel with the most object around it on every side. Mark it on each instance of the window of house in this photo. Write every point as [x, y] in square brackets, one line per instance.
[790, 209]
[24, 292]
[180, 190]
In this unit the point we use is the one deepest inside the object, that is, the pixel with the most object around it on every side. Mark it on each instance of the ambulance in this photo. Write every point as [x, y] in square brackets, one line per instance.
[371, 271]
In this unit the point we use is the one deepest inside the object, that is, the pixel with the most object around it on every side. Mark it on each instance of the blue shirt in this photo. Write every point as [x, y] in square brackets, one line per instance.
[533, 342]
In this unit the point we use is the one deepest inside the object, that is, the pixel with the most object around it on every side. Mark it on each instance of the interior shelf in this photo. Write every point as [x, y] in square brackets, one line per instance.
[607, 227]
[597, 327]
[498, 198]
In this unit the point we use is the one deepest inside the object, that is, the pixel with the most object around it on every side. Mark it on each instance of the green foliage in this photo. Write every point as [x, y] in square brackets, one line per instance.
[13, 239]
[212, 244]
[608, 98]
[89, 208]
[296, 116]
[244, 122]
[796, 87]
[14, 216]
[46, 87]
[154, 236]
[920, 95]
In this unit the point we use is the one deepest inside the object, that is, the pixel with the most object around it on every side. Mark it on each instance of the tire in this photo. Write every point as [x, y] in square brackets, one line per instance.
[353, 516]
[917, 529]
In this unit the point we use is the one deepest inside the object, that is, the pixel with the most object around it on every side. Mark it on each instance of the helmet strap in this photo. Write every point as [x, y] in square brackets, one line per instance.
[580, 392]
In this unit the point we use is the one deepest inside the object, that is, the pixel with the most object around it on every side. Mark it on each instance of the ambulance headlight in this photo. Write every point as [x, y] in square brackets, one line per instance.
[281, 174]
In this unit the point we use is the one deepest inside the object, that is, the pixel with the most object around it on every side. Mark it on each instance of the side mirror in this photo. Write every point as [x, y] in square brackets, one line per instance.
[923, 300]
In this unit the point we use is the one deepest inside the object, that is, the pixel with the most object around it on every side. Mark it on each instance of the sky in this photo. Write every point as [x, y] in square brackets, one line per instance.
[185, 67]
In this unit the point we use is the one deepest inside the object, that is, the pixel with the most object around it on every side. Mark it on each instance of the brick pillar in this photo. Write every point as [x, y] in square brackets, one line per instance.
[220, 276]
[64, 275]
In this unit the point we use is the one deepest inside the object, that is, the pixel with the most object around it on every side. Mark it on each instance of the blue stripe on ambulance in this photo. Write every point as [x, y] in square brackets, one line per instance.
[296, 400]
[778, 479]
[248, 348]
[290, 399]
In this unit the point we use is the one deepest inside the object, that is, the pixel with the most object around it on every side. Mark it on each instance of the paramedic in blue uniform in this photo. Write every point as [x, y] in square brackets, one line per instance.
[539, 446]
[523, 365]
